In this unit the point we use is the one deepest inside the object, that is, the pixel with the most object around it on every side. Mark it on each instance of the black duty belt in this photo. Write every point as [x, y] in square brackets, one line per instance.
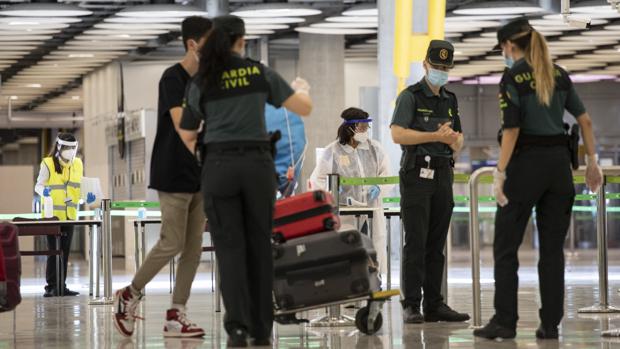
[237, 147]
[542, 141]
[436, 161]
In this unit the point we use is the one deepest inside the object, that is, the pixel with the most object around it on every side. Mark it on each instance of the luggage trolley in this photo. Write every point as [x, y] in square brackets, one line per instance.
[368, 319]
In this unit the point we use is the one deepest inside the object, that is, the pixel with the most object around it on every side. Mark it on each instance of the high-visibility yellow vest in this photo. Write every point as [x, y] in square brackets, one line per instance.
[65, 188]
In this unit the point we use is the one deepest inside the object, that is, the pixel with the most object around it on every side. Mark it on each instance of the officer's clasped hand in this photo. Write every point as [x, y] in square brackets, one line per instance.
[373, 192]
[90, 198]
[594, 174]
[446, 134]
[498, 187]
[300, 85]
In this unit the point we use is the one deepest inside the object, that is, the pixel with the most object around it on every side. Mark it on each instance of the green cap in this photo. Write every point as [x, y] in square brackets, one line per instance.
[512, 28]
[441, 53]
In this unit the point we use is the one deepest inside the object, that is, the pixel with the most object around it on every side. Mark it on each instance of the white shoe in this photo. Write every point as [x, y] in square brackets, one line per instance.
[177, 325]
[125, 305]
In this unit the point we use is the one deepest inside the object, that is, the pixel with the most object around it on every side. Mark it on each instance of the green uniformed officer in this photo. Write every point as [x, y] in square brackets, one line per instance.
[238, 180]
[426, 124]
[534, 170]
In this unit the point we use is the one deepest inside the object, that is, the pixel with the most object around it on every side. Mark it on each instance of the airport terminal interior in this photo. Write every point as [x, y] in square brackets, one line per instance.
[86, 75]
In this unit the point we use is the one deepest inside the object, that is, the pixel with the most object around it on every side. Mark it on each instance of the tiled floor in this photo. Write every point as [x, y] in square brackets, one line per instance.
[72, 323]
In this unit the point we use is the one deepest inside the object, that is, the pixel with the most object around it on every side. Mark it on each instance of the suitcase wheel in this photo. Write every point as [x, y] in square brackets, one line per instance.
[319, 196]
[350, 237]
[329, 224]
[278, 238]
[361, 321]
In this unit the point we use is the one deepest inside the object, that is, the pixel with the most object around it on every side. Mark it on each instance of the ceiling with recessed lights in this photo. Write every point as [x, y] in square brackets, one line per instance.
[47, 48]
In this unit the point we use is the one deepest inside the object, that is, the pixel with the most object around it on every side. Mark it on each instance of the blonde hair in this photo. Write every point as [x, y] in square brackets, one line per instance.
[538, 57]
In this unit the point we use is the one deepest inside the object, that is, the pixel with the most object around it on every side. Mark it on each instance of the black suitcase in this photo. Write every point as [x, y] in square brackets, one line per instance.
[324, 268]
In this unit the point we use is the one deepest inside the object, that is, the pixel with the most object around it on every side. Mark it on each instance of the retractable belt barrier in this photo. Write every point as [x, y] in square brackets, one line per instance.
[480, 176]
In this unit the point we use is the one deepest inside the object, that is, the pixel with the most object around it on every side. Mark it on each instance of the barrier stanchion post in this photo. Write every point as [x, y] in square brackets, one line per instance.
[601, 236]
[94, 257]
[474, 243]
[106, 230]
[388, 233]
[334, 317]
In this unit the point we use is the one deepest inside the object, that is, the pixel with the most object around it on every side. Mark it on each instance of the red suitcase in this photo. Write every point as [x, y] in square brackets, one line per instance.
[10, 268]
[304, 214]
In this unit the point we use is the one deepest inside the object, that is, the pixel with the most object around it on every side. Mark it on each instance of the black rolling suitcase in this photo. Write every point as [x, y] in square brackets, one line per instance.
[324, 268]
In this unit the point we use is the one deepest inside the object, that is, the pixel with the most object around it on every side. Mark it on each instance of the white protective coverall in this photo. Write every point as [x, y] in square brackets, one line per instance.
[367, 160]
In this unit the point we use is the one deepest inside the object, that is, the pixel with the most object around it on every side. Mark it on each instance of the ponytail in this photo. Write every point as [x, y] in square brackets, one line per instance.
[215, 56]
[538, 57]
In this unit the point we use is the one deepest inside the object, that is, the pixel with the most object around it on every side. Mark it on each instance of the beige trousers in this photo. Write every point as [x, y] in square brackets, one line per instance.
[182, 226]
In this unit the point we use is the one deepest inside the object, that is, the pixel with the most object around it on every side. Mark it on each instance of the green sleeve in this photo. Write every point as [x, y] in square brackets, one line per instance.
[574, 105]
[192, 111]
[404, 110]
[509, 104]
[279, 89]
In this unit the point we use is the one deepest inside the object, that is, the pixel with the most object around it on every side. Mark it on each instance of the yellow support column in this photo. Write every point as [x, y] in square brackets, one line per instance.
[403, 24]
[436, 19]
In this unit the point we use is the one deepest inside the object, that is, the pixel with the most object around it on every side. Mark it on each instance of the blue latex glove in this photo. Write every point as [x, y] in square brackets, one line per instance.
[373, 192]
[90, 198]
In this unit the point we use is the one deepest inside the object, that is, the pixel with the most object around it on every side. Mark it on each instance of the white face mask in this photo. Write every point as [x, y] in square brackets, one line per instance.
[361, 137]
[68, 154]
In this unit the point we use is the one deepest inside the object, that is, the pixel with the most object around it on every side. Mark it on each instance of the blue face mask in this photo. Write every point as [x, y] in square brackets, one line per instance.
[437, 77]
[509, 62]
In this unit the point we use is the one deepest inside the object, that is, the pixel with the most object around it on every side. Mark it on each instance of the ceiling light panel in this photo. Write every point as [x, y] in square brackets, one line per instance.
[344, 25]
[121, 33]
[497, 8]
[28, 32]
[33, 26]
[134, 27]
[353, 19]
[276, 10]
[106, 43]
[266, 27]
[115, 37]
[335, 31]
[45, 10]
[21, 38]
[362, 10]
[560, 22]
[161, 11]
[145, 20]
[276, 20]
[478, 18]
[606, 15]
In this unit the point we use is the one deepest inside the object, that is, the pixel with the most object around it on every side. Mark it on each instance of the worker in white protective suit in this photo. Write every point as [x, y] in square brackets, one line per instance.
[354, 154]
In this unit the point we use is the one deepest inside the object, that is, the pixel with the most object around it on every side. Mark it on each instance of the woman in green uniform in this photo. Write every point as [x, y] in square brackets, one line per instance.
[238, 180]
[534, 171]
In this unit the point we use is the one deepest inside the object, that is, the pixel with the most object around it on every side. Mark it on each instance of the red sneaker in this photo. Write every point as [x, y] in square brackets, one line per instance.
[125, 304]
[177, 325]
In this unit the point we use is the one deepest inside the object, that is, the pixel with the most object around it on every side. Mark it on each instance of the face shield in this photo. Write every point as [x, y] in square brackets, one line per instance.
[65, 150]
[360, 128]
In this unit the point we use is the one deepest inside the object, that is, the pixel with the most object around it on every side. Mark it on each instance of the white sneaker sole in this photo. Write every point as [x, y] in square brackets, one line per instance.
[183, 335]
[118, 328]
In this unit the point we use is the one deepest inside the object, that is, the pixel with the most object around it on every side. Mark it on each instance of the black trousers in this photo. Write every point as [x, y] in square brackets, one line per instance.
[538, 177]
[65, 246]
[426, 206]
[239, 190]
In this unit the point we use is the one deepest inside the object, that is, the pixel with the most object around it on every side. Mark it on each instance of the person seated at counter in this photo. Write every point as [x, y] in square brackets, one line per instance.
[355, 154]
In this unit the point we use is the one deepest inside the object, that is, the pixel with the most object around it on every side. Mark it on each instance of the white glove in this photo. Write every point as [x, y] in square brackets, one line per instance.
[300, 85]
[594, 174]
[498, 187]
